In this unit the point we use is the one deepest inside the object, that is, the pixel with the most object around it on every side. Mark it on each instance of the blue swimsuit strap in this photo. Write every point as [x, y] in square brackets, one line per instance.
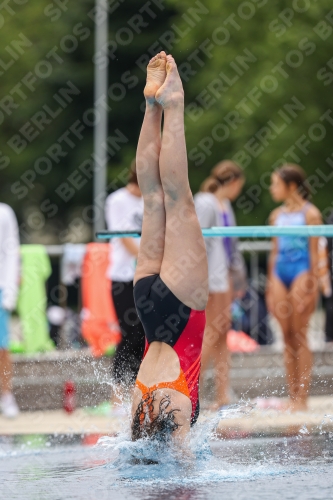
[304, 209]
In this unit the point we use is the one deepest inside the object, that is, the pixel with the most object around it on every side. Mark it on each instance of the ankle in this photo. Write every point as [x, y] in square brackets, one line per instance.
[176, 102]
[152, 104]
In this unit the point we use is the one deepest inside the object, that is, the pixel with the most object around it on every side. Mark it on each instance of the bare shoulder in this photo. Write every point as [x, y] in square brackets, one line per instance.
[273, 215]
[313, 215]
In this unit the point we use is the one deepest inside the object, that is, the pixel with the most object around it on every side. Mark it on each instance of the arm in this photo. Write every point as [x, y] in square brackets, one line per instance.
[273, 253]
[270, 270]
[314, 218]
[272, 258]
[271, 265]
[237, 264]
[131, 246]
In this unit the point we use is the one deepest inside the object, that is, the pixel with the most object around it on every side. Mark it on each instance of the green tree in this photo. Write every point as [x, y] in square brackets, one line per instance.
[47, 64]
[258, 81]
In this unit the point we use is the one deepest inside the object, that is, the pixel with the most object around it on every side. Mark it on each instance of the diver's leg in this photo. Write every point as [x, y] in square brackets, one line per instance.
[184, 267]
[147, 166]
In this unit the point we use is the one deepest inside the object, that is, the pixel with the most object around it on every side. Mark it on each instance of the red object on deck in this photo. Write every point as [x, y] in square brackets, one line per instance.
[69, 396]
[240, 342]
[99, 320]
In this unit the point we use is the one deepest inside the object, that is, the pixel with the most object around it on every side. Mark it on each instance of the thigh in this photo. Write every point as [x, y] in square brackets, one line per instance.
[283, 310]
[184, 267]
[304, 290]
[153, 234]
[306, 294]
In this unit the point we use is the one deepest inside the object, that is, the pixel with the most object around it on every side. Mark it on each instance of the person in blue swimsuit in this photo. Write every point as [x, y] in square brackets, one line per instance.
[292, 289]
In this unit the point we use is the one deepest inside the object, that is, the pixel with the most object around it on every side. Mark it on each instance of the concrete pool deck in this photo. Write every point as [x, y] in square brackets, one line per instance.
[246, 421]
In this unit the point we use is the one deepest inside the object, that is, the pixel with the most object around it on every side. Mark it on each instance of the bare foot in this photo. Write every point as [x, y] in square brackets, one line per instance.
[171, 93]
[156, 73]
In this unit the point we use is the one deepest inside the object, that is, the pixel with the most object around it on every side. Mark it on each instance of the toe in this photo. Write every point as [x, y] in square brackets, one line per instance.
[171, 61]
[171, 66]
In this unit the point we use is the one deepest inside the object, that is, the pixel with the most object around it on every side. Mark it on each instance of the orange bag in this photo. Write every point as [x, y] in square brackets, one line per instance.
[100, 326]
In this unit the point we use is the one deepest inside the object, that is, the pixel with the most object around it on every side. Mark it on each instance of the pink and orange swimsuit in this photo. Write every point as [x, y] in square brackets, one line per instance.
[166, 319]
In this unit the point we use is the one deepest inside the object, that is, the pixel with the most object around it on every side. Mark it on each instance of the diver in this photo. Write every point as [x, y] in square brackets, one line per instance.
[171, 278]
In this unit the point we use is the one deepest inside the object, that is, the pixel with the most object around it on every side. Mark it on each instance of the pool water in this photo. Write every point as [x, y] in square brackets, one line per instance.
[57, 468]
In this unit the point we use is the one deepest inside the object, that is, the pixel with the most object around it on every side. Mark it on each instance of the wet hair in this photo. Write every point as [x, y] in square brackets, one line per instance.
[223, 173]
[132, 175]
[291, 173]
[158, 428]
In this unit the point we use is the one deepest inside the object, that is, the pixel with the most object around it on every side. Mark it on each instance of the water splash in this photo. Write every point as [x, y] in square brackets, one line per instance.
[149, 460]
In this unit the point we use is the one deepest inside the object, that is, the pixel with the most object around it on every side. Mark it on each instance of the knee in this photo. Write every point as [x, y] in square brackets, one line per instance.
[288, 338]
[301, 336]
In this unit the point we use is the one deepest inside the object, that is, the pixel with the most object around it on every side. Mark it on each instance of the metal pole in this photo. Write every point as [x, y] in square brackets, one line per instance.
[242, 231]
[101, 117]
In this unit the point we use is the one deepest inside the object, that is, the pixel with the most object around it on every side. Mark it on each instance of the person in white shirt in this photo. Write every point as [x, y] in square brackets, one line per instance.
[124, 212]
[9, 280]
[226, 269]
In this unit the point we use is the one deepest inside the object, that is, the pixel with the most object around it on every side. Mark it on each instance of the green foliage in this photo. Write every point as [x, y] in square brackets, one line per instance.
[275, 33]
[226, 51]
[41, 191]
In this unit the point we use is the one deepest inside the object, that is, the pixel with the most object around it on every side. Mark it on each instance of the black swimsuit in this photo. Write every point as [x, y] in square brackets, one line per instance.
[166, 319]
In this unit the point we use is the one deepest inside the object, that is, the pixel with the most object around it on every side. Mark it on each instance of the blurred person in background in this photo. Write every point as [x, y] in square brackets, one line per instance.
[292, 286]
[124, 212]
[9, 280]
[226, 270]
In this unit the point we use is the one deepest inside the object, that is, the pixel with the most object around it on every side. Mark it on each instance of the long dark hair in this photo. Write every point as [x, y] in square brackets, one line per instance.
[158, 428]
[292, 173]
[223, 173]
